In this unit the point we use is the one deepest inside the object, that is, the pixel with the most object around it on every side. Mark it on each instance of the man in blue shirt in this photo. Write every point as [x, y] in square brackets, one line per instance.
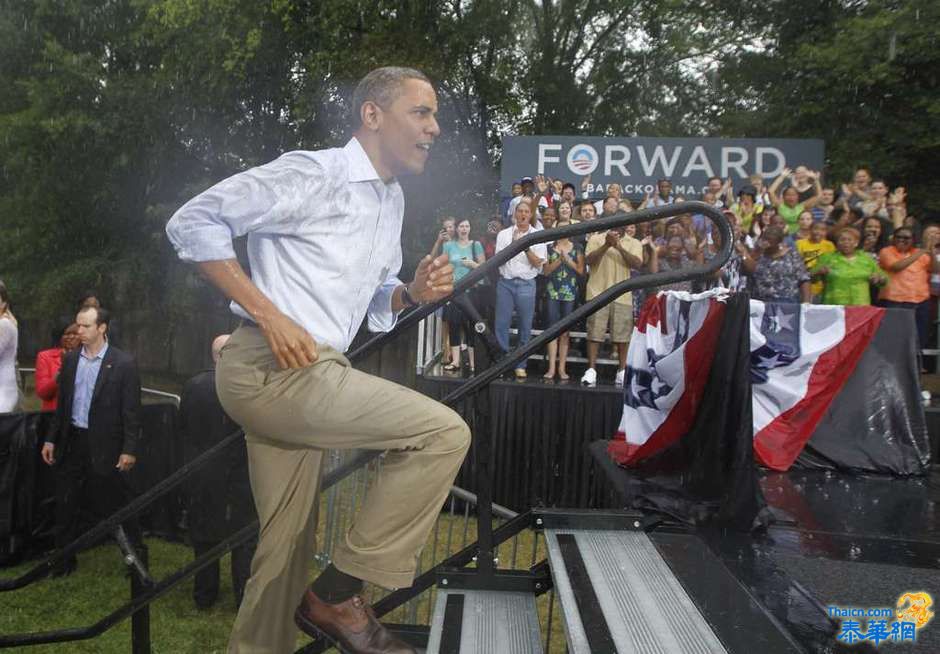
[95, 435]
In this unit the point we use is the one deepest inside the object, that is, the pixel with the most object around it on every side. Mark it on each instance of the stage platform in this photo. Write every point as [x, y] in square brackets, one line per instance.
[535, 370]
[836, 539]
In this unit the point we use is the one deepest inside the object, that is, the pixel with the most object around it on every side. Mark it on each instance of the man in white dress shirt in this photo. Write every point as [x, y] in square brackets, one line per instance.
[324, 246]
[515, 290]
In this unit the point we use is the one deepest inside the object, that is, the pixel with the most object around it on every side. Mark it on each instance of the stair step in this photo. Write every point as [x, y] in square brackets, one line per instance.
[496, 622]
[619, 595]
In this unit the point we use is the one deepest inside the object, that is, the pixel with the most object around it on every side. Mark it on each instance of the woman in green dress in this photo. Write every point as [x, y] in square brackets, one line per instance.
[848, 272]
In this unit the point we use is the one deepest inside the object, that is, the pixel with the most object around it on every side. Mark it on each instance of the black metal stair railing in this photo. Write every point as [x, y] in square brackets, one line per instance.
[606, 223]
[150, 592]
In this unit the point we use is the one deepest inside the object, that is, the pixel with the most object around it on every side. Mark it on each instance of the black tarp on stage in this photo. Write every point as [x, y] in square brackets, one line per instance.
[876, 423]
[540, 434]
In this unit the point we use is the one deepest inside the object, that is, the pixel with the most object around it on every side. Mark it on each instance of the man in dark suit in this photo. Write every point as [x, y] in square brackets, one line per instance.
[95, 435]
[220, 501]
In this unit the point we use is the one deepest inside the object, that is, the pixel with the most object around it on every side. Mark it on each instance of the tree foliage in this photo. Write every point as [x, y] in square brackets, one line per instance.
[114, 113]
[863, 76]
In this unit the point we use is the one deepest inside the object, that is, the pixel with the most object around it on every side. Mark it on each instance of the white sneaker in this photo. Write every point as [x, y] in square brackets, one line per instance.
[589, 378]
[618, 380]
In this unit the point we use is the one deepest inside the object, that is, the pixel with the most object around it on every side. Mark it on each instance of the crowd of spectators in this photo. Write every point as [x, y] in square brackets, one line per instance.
[797, 239]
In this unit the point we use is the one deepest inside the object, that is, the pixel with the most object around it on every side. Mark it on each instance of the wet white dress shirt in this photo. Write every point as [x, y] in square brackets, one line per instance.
[324, 238]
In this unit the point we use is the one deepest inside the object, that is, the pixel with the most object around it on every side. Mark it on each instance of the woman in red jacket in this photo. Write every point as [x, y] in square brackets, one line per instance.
[48, 363]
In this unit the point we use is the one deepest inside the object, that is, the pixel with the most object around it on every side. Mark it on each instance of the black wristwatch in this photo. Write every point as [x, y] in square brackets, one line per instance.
[406, 298]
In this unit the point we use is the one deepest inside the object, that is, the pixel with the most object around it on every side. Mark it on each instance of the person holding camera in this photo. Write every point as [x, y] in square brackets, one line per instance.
[464, 256]
[448, 227]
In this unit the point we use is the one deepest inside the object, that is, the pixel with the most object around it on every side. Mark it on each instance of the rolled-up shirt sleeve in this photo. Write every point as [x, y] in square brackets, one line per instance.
[381, 316]
[266, 199]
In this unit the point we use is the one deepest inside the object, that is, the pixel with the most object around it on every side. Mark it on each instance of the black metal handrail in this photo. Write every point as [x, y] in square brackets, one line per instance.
[363, 457]
[485, 565]
[162, 587]
[620, 219]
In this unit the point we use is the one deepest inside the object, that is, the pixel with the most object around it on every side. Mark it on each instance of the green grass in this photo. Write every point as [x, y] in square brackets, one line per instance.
[177, 627]
[100, 586]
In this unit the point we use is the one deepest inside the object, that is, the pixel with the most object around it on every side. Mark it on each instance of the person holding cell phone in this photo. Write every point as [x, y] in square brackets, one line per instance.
[448, 229]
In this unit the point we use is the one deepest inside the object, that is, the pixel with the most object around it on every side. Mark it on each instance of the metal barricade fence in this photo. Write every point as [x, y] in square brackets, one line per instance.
[173, 397]
[430, 340]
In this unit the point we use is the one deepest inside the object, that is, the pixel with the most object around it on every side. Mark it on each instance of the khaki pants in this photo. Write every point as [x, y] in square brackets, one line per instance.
[620, 318]
[290, 417]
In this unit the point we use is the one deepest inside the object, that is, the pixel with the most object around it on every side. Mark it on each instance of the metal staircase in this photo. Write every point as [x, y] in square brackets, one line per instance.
[622, 590]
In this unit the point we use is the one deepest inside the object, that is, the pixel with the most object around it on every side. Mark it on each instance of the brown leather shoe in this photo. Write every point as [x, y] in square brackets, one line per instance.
[349, 625]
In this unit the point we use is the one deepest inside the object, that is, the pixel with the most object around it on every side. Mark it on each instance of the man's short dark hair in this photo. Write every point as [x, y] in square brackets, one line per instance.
[382, 86]
[568, 185]
[102, 315]
[714, 177]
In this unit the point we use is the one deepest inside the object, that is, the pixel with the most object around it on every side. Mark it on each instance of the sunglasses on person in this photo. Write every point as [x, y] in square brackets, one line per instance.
[903, 238]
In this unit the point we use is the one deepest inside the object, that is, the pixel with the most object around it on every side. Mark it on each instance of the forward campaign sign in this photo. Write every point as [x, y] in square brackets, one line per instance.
[637, 163]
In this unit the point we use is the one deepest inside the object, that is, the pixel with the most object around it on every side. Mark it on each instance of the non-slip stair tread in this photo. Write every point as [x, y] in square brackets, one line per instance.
[490, 621]
[643, 606]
